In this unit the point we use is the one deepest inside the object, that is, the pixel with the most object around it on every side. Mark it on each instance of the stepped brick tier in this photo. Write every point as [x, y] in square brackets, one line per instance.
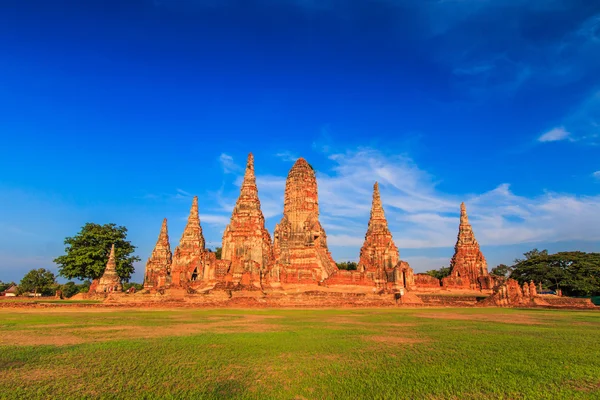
[246, 241]
[158, 267]
[300, 244]
[110, 280]
[468, 265]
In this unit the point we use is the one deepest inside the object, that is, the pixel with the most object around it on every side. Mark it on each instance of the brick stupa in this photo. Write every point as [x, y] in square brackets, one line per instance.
[158, 267]
[110, 280]
[379, 252]
[246, 241]
[468, 265]
[300, 243]
[188, 260]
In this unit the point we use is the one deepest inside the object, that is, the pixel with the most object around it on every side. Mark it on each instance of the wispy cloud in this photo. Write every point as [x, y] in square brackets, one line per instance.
[419, 214]
[596, 174]
[555, 135]
[228, 165]
[582, 125]
[286, 156]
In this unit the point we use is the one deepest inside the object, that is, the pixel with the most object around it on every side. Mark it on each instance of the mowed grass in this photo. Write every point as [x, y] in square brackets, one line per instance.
[312, 354]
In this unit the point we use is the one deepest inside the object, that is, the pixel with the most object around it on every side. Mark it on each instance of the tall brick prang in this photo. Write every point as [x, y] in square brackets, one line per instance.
[246, 241]
[188, 257]
[300, 243]
[158, 266]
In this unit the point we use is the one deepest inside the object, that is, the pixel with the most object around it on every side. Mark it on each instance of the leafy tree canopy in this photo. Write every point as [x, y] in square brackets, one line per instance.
[87, 252]
[501, 270]
[439, 273]
[574, 272]
[38, 281]
[218, 252]
[347, 265]
[5, 285]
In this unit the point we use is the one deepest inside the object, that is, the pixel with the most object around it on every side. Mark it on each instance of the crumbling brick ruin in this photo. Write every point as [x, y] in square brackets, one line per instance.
[468, 265]
[300, 243]
[110, 280]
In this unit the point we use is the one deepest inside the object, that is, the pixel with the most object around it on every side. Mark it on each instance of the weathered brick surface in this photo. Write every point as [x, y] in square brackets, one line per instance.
[246, 241]
[300, 243]
[468, 265]
[158, 266]
[188, 259]
[110, 280]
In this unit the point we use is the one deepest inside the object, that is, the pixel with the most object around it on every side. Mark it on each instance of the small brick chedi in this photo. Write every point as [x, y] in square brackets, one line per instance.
[158, 267]
[300, 244]
[468, 265]
[246, 241]
[110, 281]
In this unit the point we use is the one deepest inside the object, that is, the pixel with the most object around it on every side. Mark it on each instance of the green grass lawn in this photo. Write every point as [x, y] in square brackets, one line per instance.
[312, 354]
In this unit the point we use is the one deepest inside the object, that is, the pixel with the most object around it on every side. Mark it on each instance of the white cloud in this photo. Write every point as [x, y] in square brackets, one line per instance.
[229, 166]
[421, 216]
[287, 156]
[596, 174]
[555, 135]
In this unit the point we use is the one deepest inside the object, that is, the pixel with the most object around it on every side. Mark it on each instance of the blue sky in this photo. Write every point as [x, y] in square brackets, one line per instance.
[120, 111]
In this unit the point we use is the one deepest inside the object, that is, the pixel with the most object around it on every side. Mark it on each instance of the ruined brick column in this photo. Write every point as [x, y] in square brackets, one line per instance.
[158, 266]
[468, 265]
[188, 263]
[110, 280]
[246, 241]
[300, 243]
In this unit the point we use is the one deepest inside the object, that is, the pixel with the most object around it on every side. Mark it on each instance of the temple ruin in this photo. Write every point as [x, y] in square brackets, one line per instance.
[468, 268]
[300, 244]
[110, 280]
[158, 267]
[246, 241]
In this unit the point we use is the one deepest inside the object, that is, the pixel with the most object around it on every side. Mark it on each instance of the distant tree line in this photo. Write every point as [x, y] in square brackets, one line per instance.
[347, 265]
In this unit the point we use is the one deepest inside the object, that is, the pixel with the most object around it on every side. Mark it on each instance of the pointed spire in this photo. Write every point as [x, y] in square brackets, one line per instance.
[159, 263]
[110, 280]
[376, 206]
[249, 177]
[164, 232]
[192, 234]
[111, 256]
[464, 218]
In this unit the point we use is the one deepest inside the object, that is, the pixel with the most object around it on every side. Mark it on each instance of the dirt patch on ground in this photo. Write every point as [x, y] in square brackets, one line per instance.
[66, 336]
[504, 318]
[394, 339]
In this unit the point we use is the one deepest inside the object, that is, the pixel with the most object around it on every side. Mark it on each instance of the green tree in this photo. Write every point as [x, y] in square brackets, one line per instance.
[69, 289]
[574, 272]
[5, 285]
[439, 273]
[218, 252]
[38, 281]
[347, 265]
[532, 254]
[87, 252]
[501, 270]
